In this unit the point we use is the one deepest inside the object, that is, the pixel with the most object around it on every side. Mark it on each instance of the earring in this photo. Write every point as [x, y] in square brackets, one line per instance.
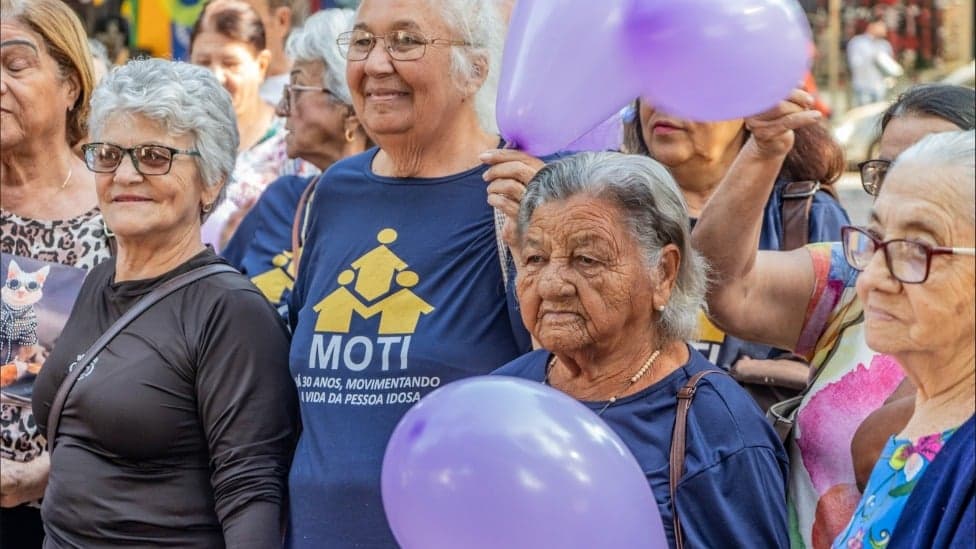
[108, 232]
[660, 308]
[350, 135]
[207, 208]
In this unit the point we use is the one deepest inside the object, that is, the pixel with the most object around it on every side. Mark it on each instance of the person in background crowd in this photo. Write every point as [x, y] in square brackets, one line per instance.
[181, 430]
[100, 62]
[229, 39]
[699, 155]
[871, 61]
[322, 128]
[49, 219]
[610, 287]
[280, 18]
[804, 301]
[918, 287]
[401, 288]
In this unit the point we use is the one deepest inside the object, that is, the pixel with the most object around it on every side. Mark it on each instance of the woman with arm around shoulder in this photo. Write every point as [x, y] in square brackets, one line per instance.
[49, 220]
[181, 429]
[610, 287]
[918, 288]
[805, 301]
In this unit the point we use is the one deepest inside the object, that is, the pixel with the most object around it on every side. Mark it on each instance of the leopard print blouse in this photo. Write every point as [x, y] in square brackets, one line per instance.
[78, 242]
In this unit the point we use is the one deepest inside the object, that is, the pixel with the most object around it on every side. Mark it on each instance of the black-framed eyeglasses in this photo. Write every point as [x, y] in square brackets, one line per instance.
[402, 45]
[873, 173]
[908, 261]
[147, 159]
[291, 90]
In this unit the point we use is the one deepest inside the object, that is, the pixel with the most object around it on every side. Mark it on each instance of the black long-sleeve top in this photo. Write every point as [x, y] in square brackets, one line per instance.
[182, 432]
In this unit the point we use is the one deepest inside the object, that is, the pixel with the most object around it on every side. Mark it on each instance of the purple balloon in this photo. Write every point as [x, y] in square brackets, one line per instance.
[563, 72]
[495, 461]
[717, 59]
[608, 136]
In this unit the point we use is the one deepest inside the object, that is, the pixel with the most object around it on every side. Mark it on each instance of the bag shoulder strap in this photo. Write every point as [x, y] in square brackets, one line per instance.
[797, 200]
[164, 289]
[677, 457]
[298, 223]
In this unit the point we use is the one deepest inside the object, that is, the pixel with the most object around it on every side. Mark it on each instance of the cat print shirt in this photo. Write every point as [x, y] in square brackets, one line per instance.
[43, 266]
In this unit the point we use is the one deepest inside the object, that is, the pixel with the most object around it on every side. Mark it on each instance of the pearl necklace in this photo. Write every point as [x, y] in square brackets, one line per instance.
[633, 379]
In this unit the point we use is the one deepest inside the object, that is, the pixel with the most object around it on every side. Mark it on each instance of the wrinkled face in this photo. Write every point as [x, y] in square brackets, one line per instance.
[584, 284]
[316, 120]
[34, 97]
[158, 207]
[396, 97]
[927, 206]
[678, 142]
[236, 65]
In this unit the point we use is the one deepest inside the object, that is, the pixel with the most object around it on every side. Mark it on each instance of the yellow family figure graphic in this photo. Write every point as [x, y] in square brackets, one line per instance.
[374, 273]
[377, 267]
[274, 282]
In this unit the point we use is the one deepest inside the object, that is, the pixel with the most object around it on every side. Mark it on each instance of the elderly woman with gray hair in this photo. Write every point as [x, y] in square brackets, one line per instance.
[610, 287]
[322, 128]
[180, 431]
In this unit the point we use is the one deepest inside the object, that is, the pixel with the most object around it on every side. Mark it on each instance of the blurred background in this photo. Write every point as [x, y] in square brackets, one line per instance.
[931, 41]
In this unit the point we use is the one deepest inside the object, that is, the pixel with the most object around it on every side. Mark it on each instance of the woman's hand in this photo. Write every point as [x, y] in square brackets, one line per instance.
[22, 482]
[510, 172]
[772, 131]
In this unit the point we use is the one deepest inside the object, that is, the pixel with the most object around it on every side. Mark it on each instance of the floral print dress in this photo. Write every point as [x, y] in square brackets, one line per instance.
[901, 464]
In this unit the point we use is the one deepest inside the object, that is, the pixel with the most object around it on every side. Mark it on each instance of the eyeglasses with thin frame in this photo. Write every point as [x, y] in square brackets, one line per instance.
[288, 95]
[402, 45]
[908, 261]
[873, 173]
[147, 159]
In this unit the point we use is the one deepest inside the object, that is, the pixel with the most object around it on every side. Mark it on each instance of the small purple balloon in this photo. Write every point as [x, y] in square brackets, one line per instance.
[495, 461]
[714, 60]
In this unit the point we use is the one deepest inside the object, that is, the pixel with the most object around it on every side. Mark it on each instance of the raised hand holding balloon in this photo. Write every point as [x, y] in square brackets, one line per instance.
[492, 462]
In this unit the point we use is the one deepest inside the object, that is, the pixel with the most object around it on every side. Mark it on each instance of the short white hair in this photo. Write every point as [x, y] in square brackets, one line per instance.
[477, 22]
[316, 41]
[938, 153]
[185, 99]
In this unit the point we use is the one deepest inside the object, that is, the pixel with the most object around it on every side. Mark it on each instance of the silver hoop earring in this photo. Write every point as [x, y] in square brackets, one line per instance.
[207, 208]
[108, 232]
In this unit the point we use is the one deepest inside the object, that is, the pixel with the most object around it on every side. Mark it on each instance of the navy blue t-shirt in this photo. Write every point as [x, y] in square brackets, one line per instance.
[400, 292]
[733, 491]
[261, 245]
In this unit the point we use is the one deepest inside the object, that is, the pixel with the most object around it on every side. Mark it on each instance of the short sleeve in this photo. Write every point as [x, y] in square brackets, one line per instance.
[833, 290]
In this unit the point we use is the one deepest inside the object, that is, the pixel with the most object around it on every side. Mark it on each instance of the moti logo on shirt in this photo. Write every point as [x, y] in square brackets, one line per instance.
[380, 285]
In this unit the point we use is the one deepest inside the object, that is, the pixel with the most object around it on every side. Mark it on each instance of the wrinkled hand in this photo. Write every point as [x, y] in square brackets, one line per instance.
[772, 131]
[23, 482]
[510, 172]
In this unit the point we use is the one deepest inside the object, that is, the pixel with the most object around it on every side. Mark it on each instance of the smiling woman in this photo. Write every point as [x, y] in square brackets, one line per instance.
[183, 428]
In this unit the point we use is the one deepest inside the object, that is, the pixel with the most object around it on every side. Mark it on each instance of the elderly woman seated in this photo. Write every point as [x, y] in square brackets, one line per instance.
[610, 286]
[180, 431]
[918, 287]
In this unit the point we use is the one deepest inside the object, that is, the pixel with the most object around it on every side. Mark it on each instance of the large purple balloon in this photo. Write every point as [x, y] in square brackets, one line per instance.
[717, 59]
[563, 72]
[492, 462]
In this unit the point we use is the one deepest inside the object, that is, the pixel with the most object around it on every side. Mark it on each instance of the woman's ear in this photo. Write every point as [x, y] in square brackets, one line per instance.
[72, 90]
[478, 75]
[264, 60]
[667, 274]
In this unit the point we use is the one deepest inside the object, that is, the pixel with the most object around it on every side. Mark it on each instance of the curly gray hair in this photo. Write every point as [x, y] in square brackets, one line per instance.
[185, 99]
[316, 41]
[653, 209]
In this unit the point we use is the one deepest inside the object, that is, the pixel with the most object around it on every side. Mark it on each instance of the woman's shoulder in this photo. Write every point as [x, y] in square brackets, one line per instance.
[531, 365]
[722, 408]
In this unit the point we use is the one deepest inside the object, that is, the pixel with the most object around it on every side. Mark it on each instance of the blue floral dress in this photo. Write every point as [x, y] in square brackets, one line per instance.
[901, 464]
